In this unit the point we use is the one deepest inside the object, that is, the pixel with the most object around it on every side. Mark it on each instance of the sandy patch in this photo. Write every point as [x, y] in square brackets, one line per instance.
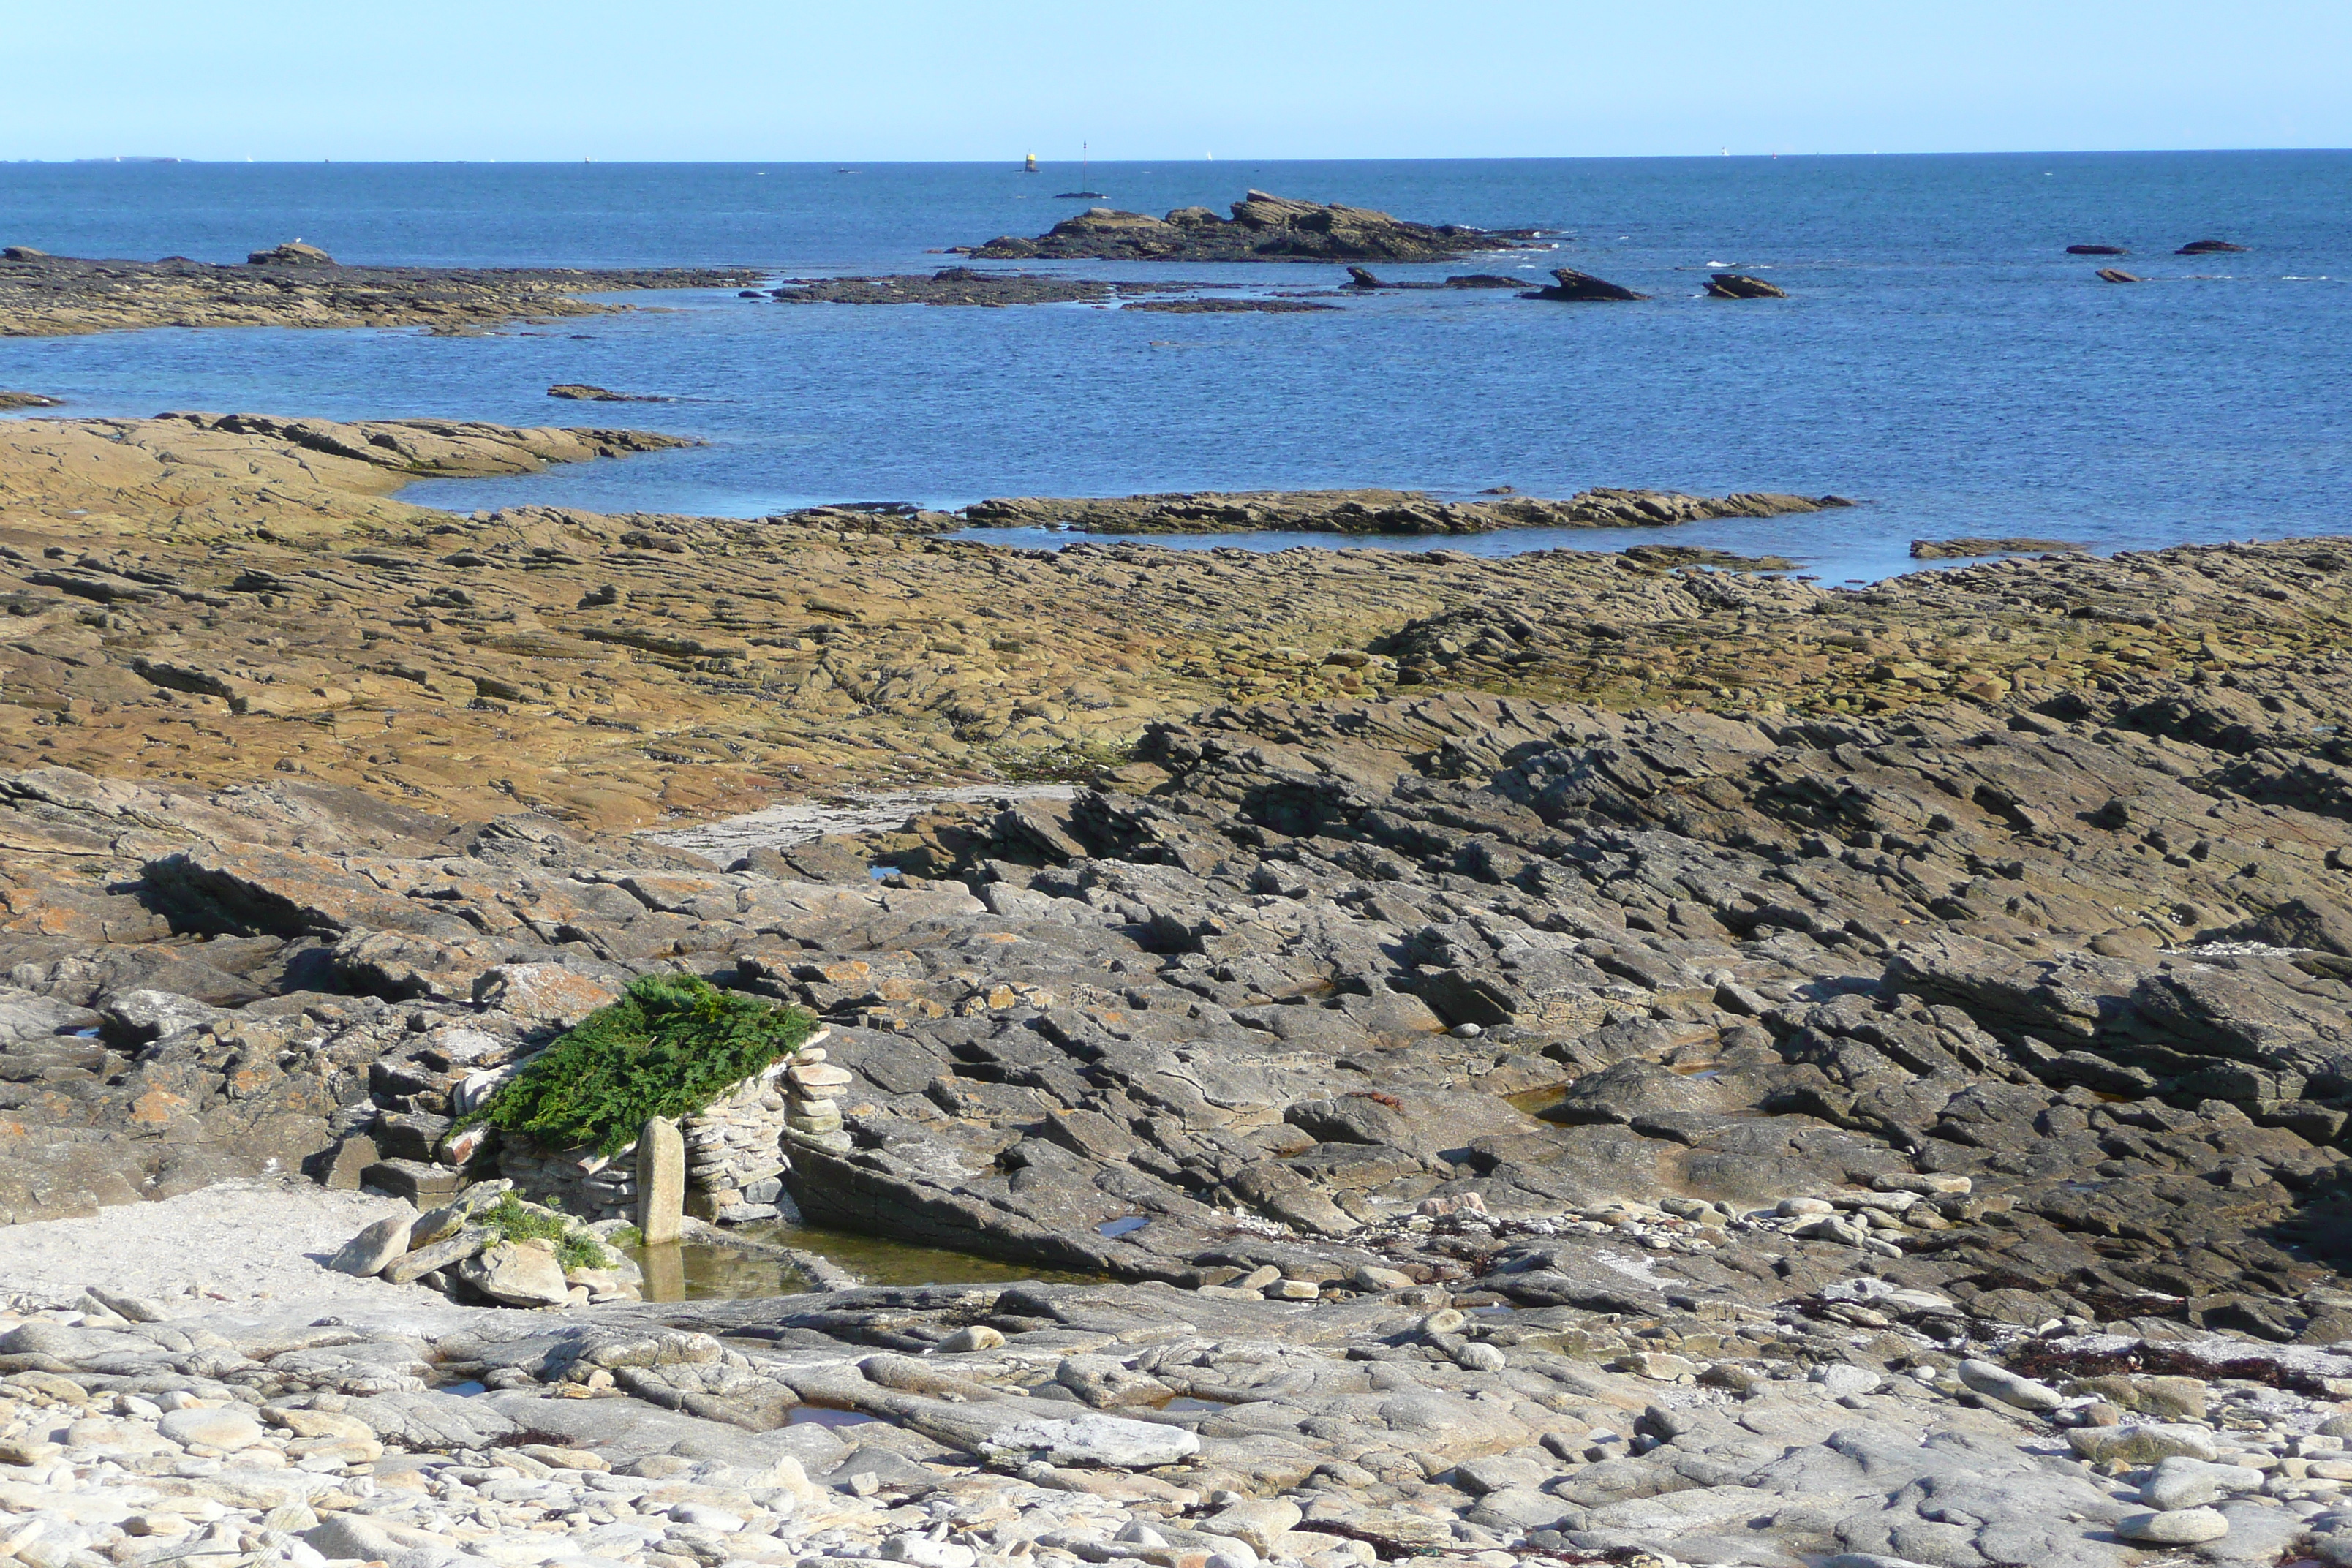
[239, 1242]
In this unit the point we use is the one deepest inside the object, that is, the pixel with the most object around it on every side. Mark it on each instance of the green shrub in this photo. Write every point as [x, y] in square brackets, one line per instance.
[670, 1046]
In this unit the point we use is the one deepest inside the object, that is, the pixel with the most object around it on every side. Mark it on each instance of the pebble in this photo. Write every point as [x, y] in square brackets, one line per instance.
[2183, 1527]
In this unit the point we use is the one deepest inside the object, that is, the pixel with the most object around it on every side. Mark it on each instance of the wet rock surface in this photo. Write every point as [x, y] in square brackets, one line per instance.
[302, 286]
[1263, 227]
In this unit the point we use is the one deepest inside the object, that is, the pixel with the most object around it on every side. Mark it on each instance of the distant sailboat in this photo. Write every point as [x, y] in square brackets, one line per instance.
[1083, 194]
[1030, 165]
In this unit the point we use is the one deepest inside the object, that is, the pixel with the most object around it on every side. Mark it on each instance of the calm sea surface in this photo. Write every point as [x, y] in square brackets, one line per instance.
[1942, 359]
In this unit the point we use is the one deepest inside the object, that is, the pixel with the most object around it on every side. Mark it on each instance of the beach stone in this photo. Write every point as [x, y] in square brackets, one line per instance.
[518, 1273]
[1841, 1379]
[921, 1551]
[1262, 1522]
[1111, 1441]
[411, 1267]
[371, 1248]
[975, 1337]
[2179, 1483]
[2185, 1527]
[2000, 1382]
[2143, 1442]
[227, 1428]
[702, 1516]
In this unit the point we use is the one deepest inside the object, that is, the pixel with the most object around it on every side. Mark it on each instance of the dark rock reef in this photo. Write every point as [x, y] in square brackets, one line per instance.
[2096, 251]
[2209, 248]
[2116, 275]
[28, 400]
[1363, 279]
[301, 286]
[1261, 228]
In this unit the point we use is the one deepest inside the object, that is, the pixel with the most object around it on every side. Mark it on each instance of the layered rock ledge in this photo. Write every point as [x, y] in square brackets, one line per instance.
[1377, 511]
[56, 296]
[1263, 227]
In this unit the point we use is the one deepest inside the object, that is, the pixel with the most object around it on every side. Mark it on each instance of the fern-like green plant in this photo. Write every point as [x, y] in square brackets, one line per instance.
[670, 1046]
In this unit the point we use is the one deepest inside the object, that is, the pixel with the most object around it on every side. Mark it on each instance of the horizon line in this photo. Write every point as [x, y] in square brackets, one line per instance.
[152, 159]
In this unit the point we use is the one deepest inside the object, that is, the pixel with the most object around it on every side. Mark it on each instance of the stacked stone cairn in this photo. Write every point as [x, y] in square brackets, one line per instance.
[812, 1086]
[734, 1156]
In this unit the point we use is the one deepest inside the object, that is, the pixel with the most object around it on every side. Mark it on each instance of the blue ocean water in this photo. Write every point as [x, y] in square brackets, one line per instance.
[1941, 358]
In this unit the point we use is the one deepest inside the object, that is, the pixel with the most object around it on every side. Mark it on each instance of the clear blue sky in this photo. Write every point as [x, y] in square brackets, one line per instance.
[874, 80]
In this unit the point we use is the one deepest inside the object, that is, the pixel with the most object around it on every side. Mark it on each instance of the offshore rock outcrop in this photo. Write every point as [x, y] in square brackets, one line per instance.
[56, 296]
[1263, 227]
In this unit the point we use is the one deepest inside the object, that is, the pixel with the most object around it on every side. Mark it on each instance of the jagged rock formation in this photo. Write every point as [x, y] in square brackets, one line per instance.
[1582, 288]
[55, 296]
[1263, 228]
[1735, 286]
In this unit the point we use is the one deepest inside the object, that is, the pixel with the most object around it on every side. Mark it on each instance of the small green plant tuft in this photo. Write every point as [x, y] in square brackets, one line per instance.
[581, 1250]
[512, 1219]
[626, 1237]
[670, 1046]
[515, 1220]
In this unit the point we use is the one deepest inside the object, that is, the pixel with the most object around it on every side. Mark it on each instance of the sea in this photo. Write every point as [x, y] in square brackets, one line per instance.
[1940, 359]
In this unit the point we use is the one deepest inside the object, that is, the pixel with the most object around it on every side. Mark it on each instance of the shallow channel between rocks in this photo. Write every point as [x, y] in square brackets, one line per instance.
[759, 1263]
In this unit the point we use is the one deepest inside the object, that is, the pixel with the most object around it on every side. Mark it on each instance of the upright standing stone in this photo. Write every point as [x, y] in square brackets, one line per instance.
[661, 1182]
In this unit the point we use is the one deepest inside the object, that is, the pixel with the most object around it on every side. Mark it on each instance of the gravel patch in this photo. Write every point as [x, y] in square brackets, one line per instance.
[237, 1242]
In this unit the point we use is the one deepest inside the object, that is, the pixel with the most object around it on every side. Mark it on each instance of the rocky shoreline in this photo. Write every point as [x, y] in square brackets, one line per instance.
[57, 296]
[1563, 1058]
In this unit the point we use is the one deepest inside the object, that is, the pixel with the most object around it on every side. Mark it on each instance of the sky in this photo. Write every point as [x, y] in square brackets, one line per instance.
[913, 79]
